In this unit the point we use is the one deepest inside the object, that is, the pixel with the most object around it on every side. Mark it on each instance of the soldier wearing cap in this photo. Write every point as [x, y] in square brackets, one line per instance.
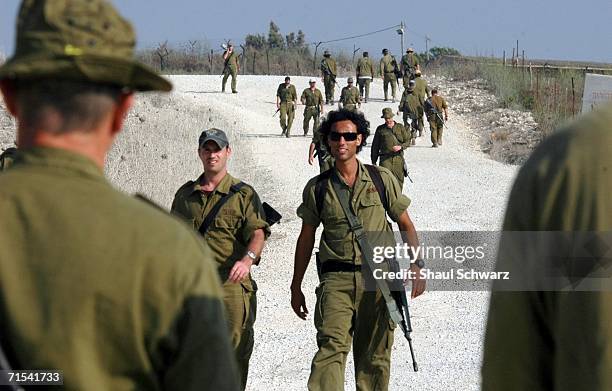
[235, 233]
[328, 74]
[312, 99]
[231, 67]
[388, 67]
[102, 286]
[411, 105]
[409, 66]
[421, 88]
[390, 140]
[346, 313]
[365, 75]
[7, 158]
[436, 107]
[286, 100]
[349, 97]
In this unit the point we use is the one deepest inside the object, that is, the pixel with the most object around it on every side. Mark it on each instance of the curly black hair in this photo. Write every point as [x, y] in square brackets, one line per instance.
[356, 117]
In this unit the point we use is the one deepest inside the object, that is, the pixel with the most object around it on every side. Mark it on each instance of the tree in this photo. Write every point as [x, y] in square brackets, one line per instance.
[275, 38]
[436, 52]
[300, 41]
[255, 41]
[290, 40]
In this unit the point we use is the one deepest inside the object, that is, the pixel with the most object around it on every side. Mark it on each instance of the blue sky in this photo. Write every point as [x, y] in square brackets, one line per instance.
[564, 30]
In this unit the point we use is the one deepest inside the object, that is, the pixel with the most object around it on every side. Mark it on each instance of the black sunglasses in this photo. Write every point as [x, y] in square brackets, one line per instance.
[348, 136]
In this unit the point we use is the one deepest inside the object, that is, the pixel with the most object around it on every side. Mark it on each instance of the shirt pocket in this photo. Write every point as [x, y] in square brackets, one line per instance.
[227, 222]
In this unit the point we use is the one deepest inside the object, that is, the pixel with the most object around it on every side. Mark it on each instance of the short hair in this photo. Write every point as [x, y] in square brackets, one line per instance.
[356, 117]
[287, 78]
[81, 105]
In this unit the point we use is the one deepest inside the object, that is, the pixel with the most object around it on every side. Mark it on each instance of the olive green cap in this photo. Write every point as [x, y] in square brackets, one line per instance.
[387, 113]
[78, 40]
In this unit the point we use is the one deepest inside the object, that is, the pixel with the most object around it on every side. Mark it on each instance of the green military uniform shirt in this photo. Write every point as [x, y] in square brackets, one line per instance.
[412, 104]
[312, 98]
[387, 64]
[349, 96]
[329, 62]
[231, 61]
[337, 241]
[556, 340]
[421, 88]
[230, 232]
[439, 103]
[409, 64]
[365, 68]
[286, 94]
[385, 139]
[112, 291]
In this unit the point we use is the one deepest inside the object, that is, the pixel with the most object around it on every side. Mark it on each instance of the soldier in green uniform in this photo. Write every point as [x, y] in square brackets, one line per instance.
[557, 340]
[231, 66]
[109, 289]
[328, 73]
[7, 158]
[390, 140]
[421, 89]
[411, 105]
[286, 100]
[326, 161]
[437, 107]
[312, 99]
[235, 233]
[346, 314]
[388, 66]
[349, 97]
[365, 75]
[409, 66]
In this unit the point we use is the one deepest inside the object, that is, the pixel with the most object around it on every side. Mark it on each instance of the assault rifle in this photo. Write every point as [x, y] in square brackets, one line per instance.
[431, 109]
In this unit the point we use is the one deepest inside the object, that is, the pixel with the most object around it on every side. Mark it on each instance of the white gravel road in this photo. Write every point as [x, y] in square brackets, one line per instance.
[455, 187]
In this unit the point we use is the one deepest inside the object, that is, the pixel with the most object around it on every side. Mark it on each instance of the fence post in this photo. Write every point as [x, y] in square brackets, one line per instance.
[573, 98]
[268, 59]
[253, 63]
[210, 61]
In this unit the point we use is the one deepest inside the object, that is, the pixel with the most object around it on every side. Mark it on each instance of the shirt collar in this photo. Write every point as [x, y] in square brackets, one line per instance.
[223, 187]
[60, 159]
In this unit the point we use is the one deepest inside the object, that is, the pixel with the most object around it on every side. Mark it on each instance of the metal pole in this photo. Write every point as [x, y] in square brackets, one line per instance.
[427, 47]
[402, 38]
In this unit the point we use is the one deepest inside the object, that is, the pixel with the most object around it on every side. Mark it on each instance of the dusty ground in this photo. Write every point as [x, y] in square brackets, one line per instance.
[456, 187]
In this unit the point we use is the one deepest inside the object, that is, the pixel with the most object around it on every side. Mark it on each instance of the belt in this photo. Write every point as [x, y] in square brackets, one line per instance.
[338, 266]
[310, 106]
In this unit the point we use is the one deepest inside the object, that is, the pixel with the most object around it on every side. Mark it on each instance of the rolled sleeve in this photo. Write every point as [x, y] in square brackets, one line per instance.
[255, 218]
[307, 210]
[398, 202]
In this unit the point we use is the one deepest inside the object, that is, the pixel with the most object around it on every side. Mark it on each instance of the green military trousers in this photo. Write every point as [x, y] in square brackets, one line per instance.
[420, 122]
[436, 126]
[389, 78]
[412, 127]
[311, 112]
[226, 74]
[329, 84]
[395, 164]
[287, 113]
[241, 310]
[345, 313]
[364, 86]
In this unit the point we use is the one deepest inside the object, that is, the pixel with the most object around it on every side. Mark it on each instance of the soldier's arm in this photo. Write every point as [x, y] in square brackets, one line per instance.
[409, 236]
[311, 151]
[303, 251]
[375, 147]
[405, 137]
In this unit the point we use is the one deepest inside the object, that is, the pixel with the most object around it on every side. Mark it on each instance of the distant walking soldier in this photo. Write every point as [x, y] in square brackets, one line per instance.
[7, 158]
[422, 90]
[365, 75]
[349, 97]
[104, 287]
[388, 67]
[312, 99]
[286, 100]
[318, 148]
[434, 108]
[409, 66]
[412, 107]
[235, 232]
[346, 313]
[231, 66]
[328, 72]
[390, 140]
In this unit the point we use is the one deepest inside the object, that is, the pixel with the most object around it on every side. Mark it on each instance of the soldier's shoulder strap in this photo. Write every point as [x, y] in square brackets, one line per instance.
[215, 210]
[323, 183]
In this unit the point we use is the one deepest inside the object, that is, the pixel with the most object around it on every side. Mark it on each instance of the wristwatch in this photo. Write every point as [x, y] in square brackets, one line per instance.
[251, 255]
[420, 263]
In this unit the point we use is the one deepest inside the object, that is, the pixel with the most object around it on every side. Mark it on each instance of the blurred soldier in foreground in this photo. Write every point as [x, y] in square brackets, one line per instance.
[328, 72]
[388, 66]
[231, 66]
[7, 158]
[435, 107]
[390, 140]
[365, 75]
[349, 97]
[286, 100]
[412, 107]
[104, 287]
[230, 217]
[422, 90]
[409, 66]
[346, 313]
[557, 340]
[312, 99]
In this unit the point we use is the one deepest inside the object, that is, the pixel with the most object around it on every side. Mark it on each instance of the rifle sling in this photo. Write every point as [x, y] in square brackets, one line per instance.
[215, 210]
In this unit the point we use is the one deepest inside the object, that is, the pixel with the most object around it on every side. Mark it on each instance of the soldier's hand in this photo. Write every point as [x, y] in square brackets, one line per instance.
[241, 269]
[397, 148]
[277, 105]
[311, 160]
[298, 303]
[418, 283]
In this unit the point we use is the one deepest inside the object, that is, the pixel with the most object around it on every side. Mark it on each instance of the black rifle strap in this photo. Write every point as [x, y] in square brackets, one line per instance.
[215, 210]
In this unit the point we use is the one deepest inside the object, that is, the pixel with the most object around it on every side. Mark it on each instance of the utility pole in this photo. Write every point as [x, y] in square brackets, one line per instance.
[427, 46]
[400, 31]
